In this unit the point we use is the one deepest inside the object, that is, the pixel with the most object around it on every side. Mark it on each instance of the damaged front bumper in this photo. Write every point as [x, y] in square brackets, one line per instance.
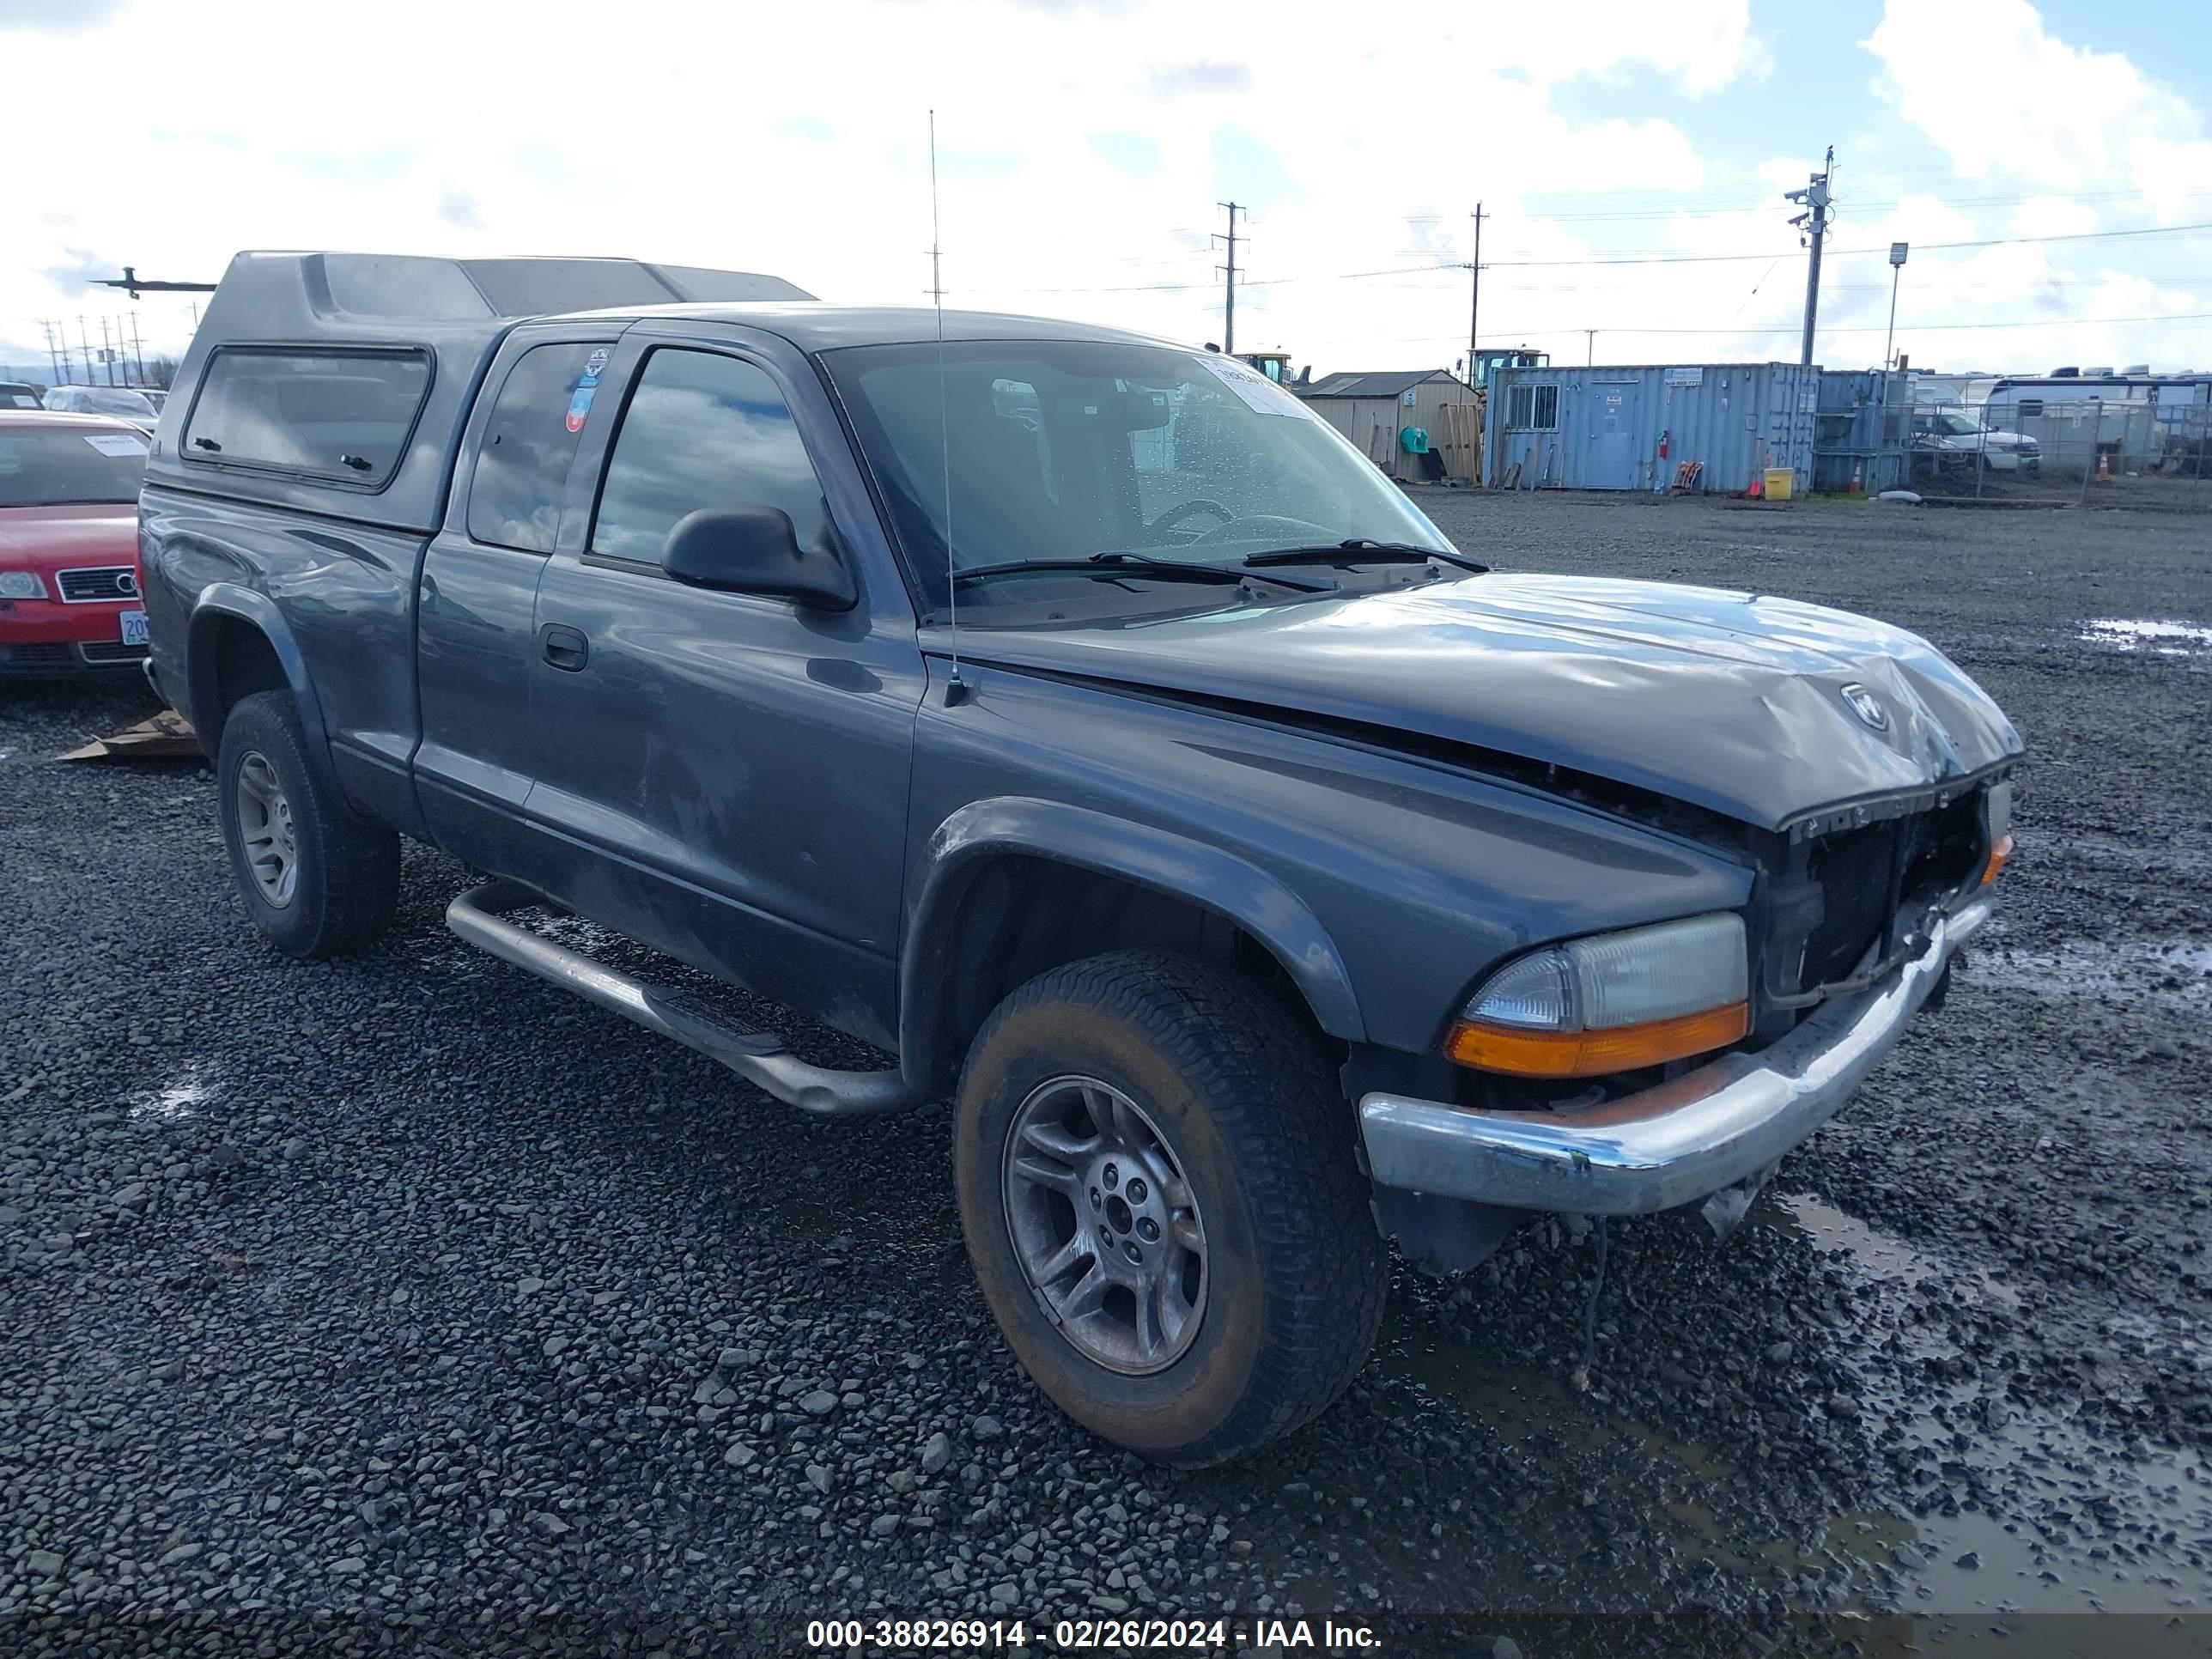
[1718, 1126]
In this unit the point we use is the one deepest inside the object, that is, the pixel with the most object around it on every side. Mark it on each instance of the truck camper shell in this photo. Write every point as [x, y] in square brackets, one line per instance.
[448, 314]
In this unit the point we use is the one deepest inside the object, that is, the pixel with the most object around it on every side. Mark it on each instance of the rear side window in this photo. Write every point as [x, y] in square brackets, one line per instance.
[344, 416]
[514, 497]
[702, 431]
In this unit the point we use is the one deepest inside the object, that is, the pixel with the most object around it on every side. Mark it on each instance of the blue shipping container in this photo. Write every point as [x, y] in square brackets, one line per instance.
[1606, 428]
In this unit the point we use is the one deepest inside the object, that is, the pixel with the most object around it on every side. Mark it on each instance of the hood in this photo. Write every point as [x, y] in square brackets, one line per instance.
[58, 537]
[1733, 701]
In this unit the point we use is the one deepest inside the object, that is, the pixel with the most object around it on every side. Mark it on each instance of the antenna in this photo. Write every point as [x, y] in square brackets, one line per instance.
[955, 688]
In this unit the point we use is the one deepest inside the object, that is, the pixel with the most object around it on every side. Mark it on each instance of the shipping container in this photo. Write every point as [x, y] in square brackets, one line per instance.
[1634, 427]
[1863, 432]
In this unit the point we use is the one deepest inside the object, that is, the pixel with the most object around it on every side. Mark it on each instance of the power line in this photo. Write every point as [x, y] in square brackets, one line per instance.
[1264, 281]
[1868, 205]
[1846, 328]
[1849, 252]
[1709, 209]
[1607, 259]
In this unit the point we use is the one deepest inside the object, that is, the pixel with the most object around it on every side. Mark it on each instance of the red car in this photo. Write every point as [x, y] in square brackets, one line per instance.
[68, 543]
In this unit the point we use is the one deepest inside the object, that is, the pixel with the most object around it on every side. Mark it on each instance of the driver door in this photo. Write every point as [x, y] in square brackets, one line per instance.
[731, 770]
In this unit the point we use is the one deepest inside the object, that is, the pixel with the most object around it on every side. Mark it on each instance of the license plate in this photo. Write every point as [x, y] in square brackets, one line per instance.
[134, 628]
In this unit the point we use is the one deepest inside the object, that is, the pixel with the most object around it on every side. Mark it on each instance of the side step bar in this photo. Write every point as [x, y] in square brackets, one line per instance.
[479, 915]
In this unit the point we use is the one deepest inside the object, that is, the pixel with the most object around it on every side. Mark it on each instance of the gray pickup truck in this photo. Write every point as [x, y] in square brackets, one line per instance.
[1076, 719]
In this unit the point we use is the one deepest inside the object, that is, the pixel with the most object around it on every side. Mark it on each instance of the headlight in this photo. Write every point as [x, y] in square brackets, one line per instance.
[1612, 1002]
[22, 584]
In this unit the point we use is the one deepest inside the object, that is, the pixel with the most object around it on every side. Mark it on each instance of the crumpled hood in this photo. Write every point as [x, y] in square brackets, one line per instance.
[1729, 701]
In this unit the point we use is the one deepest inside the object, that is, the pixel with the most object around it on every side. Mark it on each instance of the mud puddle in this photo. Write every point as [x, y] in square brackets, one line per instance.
[2077, 1523]
[2176, 975]
[2163, 639]
[1873, 1254]
[2044, 1516]
[179, 1099]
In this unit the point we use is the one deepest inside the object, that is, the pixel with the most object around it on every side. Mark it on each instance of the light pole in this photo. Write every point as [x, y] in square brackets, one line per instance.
[1896, 251]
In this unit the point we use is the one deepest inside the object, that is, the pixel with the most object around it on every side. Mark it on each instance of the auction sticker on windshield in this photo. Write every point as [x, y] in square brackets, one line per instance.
[116, 443]
[1254, 389]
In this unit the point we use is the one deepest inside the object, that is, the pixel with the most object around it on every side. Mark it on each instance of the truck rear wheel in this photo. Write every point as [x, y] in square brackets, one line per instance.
[1159, 1192]
[318, 879]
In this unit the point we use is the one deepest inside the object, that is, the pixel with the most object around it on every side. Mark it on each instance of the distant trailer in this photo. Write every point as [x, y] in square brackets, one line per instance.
[2134, 420]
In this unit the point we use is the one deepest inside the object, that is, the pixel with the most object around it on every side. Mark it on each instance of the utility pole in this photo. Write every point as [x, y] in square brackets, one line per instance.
[137, 351]
[1813, 221]
[1474, 299]
[107, 352]
[1589, 344]
[84, 344]
[1229, 294]
[53, 356]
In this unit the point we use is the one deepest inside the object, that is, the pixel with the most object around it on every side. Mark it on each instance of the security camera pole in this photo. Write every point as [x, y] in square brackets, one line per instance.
[1896, 251]
[1813, 221]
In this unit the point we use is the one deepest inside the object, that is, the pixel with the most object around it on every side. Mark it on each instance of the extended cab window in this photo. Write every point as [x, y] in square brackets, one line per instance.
[702, 431]
[340, 415]
[514, 497]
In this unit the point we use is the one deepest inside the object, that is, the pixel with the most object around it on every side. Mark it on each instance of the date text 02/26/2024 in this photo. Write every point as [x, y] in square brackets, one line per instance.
[1207, 1635]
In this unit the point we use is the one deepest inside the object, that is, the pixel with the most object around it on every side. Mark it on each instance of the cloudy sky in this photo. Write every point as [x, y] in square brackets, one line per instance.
[1631, 157]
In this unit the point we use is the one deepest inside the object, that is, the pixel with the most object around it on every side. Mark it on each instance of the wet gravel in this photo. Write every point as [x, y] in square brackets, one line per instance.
[410, 1288]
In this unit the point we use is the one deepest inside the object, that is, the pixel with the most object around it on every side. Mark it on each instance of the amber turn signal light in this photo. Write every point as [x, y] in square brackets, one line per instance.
[1998, 854]
[1524, 1053]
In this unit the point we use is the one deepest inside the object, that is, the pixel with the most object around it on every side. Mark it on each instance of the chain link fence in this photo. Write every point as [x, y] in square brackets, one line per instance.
[2092, 451]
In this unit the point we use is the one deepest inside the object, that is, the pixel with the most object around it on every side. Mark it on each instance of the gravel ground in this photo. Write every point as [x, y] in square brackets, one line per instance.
[410, 1287]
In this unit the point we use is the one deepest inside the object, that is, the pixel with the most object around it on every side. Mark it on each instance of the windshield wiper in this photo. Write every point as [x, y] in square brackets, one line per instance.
[1360, 549]
[1112, 566]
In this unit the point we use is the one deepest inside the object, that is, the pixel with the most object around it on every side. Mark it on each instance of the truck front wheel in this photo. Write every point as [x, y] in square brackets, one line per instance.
[1159, 1192]
[318, 879]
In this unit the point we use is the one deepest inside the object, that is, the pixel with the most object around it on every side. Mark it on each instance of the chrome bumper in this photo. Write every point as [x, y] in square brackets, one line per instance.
[1668, 1145]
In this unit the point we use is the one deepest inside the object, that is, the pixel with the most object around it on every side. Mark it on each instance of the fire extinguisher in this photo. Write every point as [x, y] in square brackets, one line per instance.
[1662, 443]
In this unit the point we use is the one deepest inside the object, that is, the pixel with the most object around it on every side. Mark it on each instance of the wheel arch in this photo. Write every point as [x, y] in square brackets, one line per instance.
[1041, 849]
[239, 643]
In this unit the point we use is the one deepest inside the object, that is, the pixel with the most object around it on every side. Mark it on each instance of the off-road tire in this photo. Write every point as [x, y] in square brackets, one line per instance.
[1241, 1087]
[348, 882]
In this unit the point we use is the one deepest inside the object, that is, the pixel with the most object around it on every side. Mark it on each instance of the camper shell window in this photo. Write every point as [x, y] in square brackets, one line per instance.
[336, 416]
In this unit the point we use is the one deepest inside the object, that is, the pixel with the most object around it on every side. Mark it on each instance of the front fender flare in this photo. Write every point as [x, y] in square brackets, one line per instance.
[1204, 875]
[221, 602]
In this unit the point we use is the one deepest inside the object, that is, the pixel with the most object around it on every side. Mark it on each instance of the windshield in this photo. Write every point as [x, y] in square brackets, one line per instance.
[47, 467]
[107, 400]
[1063, 449]
[1960, 423]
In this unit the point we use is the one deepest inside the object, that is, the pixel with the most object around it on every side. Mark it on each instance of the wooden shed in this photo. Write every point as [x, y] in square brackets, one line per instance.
[1376, 409]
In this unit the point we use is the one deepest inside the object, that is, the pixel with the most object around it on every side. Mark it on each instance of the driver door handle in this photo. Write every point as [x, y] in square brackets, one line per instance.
[566, 649]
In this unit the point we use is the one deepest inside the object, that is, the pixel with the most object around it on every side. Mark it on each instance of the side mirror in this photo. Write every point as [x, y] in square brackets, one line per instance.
[754, 549]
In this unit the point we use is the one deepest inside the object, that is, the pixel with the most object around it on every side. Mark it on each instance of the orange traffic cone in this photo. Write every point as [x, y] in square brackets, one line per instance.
[2104, 468]
[1858, 478]
[1754, 492]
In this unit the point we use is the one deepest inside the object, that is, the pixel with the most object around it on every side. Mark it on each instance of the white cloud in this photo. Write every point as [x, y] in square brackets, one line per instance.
[2053, 215]
[2006, 99]
[1084, 146]
[746, 148]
